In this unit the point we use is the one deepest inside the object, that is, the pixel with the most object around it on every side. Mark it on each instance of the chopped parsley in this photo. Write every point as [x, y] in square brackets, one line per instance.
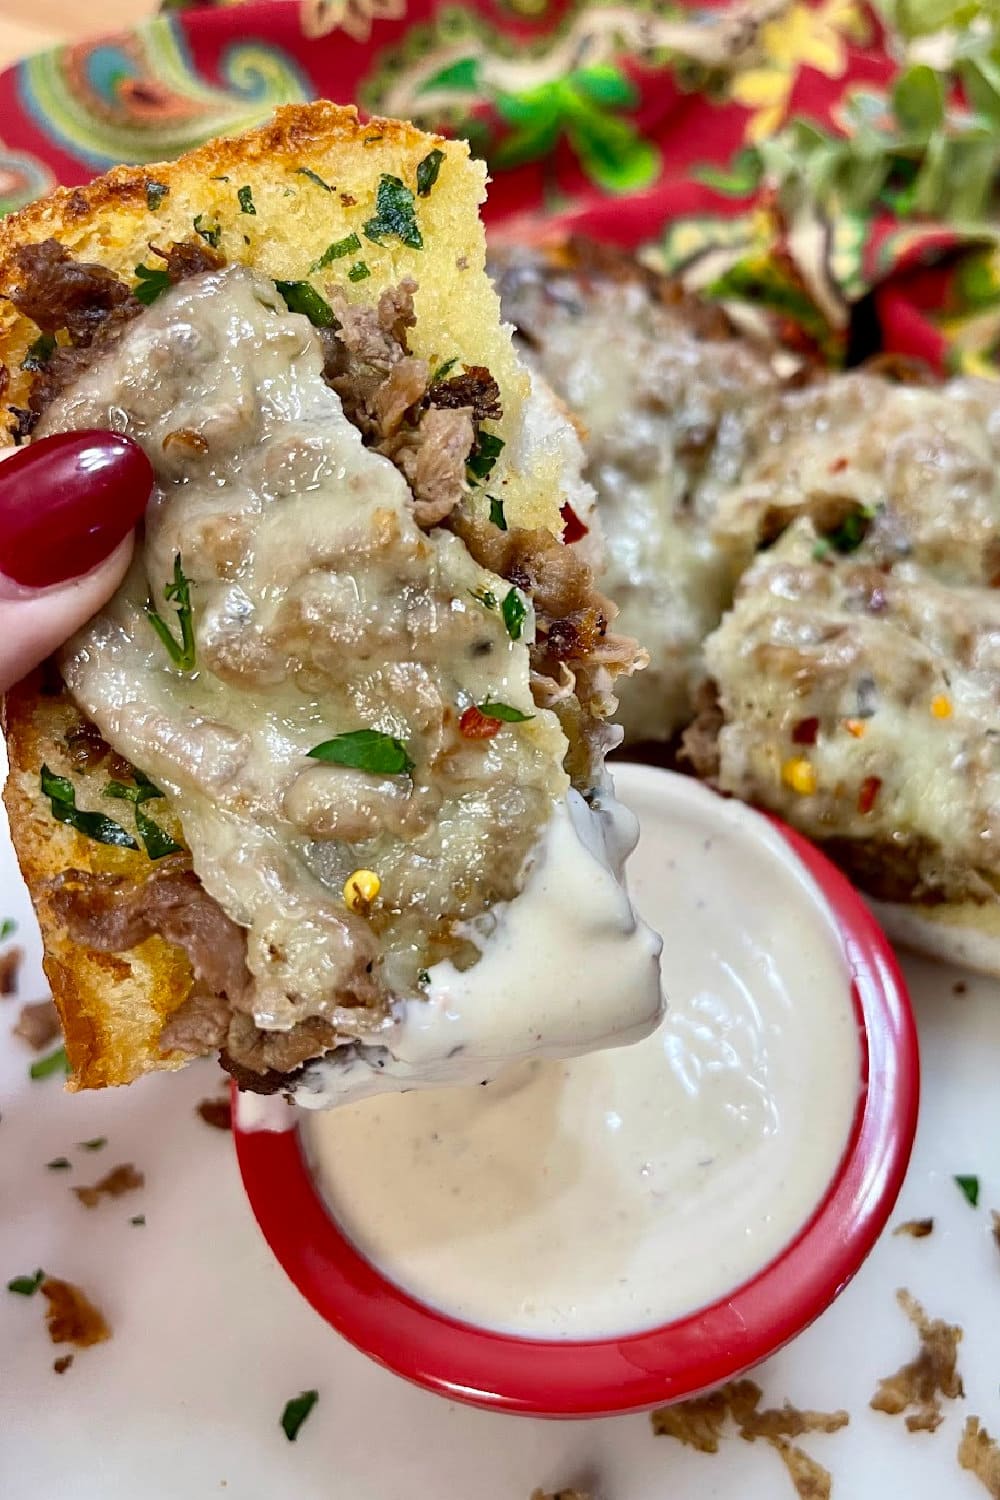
[496, 512]
[296, 1411]
[8, 927]
[97, 1144]
[514, 614]
[40, 352]
[55, 1062]
[211, 232]
[365, 750]
[485, 597]
[177, 592]
[152, 284]
[138, 1219]
[970, 1187]
[503, 711]
[486, 451]
[26, 1286]
[314, 177]
[358, 272]
[62, 798]
[848, 536]
[443, 370]
[155, 194]
[394, 214]
[59, 1164]
[157, 843]
[302, 297]
[245, 197]
[427, 172]
[337, 251]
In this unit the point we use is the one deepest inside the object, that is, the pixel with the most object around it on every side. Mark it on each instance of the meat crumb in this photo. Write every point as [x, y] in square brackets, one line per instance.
[38, 1024]
[959, 987]
[216, 1112]
[699, 1424]
[71, 1316]
[123, 1179]
[917, 1229]
[811, 1480]
[980, 1455]
[923, 1381]
[62, 1364]
[10, 967]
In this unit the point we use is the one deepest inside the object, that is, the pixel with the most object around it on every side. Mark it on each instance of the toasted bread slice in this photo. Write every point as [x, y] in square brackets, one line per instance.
[276, 199]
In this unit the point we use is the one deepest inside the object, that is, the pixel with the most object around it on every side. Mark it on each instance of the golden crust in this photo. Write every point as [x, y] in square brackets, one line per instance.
[113, 1006]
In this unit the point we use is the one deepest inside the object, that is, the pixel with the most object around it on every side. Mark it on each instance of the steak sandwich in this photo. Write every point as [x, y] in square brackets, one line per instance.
[322, 788]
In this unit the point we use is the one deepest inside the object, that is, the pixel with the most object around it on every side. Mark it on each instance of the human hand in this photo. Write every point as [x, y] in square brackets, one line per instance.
[68, 507]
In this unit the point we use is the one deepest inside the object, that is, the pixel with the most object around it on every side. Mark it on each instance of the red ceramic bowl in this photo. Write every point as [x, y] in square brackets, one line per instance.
[638, 1370]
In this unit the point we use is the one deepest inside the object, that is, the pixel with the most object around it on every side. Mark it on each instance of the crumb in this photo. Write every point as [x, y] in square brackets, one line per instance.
[217, 1112]
[811, 1480]
[959, 987]
[71, 1317]
[790, 1422]
[699, 1424]
[923, 1381]
[62, 1364]
[347, 200]
[38, 1024]
[462, 263]
[917, 1229]
[123, 1179]
[10, 967]
[980, 1454]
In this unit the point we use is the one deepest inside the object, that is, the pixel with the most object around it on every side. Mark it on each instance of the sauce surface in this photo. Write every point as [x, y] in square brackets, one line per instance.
[622, 1189]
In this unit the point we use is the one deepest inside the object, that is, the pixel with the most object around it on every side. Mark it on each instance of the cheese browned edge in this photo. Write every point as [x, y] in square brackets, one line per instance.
[113, 1005]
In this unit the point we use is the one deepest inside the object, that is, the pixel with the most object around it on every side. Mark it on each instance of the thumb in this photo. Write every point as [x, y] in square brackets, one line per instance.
[68, 505]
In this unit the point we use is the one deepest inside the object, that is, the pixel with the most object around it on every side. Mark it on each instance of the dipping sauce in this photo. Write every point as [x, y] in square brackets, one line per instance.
[623, 1189]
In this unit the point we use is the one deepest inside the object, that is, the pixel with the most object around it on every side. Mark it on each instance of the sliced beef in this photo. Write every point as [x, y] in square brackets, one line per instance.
[262, 1052]
[60, 293]
[474, 389]
[431, 457]
[106, 913]
[186, 258]
[38, 1024]
[199, 1026]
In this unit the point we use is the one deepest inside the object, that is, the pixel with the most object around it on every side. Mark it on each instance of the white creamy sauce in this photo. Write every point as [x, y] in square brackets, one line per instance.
[621, 1189]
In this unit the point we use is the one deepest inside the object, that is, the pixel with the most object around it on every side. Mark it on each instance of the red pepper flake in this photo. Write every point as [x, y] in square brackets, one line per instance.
[838, 466]
[868, 794]
[573, 528]
[805, 732]
[476, 726]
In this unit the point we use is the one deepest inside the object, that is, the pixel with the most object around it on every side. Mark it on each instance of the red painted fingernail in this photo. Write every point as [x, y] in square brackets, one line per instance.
[66, 502]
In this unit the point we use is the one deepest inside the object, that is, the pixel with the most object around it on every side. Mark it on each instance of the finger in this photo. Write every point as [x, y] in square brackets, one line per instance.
[68, 505]
[33, 624]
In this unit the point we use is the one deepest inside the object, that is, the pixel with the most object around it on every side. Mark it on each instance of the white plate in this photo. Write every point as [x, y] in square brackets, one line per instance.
[210, 1340]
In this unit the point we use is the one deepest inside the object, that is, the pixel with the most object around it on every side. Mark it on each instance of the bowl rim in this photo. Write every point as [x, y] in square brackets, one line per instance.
[686, 1356]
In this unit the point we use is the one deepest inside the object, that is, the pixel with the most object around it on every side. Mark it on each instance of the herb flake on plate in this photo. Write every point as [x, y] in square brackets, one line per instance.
[295, 1412]
[26, 1286]
[970, 1188]
[365, 750]
[59, 1164]
[8, 927]
[96, 1144]
[54, 1062]
[62, 800]
[178, 592]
